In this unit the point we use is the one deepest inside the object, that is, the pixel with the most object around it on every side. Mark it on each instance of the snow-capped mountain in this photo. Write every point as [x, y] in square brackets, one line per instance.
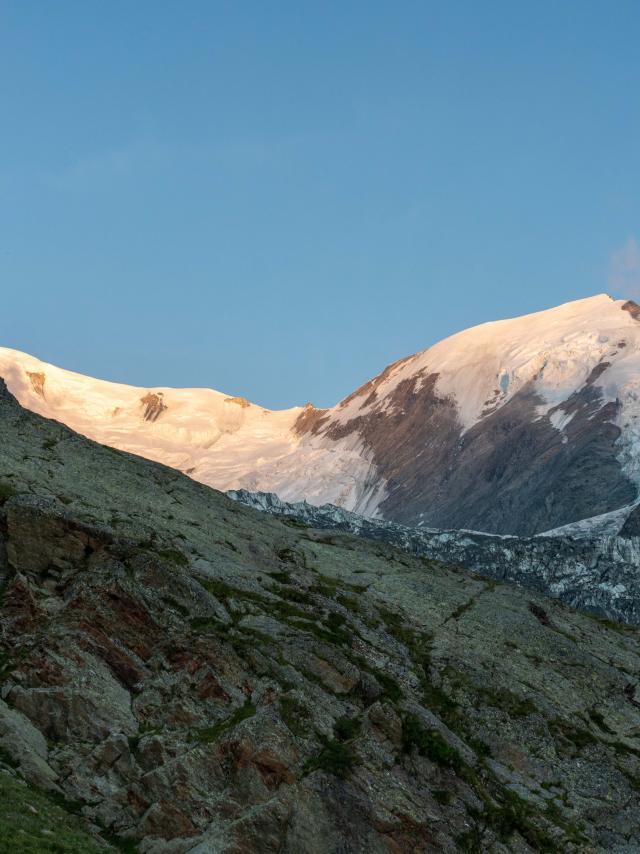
[516, 426]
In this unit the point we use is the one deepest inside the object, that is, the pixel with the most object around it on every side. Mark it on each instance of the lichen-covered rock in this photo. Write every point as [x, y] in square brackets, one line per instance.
[596, 572]
[199, 677]
[27, 747]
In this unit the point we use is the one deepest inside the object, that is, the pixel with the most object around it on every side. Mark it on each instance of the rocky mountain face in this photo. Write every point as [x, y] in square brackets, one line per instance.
[510, 427]
[593, 567]
[513, 427]
[180, 673]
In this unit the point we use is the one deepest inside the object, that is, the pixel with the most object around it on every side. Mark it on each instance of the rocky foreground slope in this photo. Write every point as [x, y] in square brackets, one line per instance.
[182, 673]
[511, 427]
[593, 566]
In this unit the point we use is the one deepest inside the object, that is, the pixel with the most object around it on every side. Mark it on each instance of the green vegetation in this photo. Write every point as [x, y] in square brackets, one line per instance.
[144, 729]
[461, 609]
[505, 813]
[7, 759]
[613, 625]
[289, 555]
[348, 602]
[281, 577]
[579, 736]
[207, 625]
[336, 758]
[346, 729]
[599, 721]
[6, 662]
[330, 587]
[624, 749]
[354, 606]
[390, 688]
[331, 629]
[335, 631]
[436, 699]
[287, 612]
[293, 594]
[429, 743]
[127, 846]
[418, 645]
[34, 822]
[503, 698]
[223, 591]
[207, 735]
[480, 747]
[243, 642]
[284, 609]
[292, 522]
[295, 715]
[173, 556]
[514, 815]
[7, 490]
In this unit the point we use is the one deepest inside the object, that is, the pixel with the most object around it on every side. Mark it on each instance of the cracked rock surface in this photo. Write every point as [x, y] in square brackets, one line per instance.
[596, 572]
[180, 673]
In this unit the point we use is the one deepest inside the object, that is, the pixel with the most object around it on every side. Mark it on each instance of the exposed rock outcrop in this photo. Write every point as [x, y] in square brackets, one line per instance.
[513, 472]
[154, 405]
[242, 402]
[37, 380]
[196, 676]
[596, 573]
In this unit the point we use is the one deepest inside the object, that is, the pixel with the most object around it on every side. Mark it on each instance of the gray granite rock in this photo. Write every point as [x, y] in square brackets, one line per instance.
[204, 677]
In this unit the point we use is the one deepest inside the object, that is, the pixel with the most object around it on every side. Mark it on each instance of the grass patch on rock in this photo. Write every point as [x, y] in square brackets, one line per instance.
[295, 715]
[7, 491]
[280, 577]
[503, 698]
[578, 736]
[173, 556]
[346, 729]
[208, 735]
[330, 587]
[429, 743]
[336, 757]
[33, 822]
[390, 688]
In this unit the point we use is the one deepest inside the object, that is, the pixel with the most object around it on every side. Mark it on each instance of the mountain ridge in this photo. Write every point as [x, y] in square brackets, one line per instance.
[513, 426]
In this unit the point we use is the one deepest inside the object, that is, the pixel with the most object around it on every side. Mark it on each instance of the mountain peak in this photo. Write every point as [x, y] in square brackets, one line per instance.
[488, 429]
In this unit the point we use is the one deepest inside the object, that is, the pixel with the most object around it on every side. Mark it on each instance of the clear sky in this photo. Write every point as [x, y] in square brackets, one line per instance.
[278, 199]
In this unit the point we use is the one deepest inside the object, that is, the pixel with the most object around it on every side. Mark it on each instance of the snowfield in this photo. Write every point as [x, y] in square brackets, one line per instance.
[222, 441]
[230, 443]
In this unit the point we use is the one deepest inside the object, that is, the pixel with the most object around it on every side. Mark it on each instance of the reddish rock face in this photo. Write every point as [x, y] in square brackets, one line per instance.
[633, 308]
[37, 380]
[154, 405]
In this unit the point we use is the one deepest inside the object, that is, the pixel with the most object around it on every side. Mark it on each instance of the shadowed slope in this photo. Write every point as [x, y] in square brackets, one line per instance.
[191, 670]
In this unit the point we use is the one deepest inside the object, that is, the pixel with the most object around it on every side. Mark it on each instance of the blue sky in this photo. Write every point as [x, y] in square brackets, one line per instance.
[278, 199]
